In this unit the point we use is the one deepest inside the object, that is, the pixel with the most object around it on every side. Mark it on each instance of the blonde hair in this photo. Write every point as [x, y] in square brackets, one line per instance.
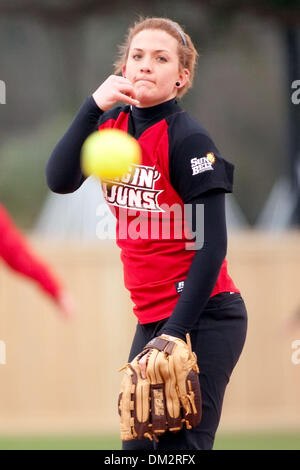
[187, 53]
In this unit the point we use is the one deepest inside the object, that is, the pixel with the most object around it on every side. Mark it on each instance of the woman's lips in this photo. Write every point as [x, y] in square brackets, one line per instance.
[144, 80]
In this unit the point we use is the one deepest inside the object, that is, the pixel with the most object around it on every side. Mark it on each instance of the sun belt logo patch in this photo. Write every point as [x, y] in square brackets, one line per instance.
[201, 164]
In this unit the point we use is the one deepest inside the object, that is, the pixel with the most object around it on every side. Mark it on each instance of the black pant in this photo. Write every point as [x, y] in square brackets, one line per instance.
[217, 339]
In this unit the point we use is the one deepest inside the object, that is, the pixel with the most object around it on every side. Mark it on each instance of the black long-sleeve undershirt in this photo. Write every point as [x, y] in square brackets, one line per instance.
[204, 269]
[63, 170]
[64, 175]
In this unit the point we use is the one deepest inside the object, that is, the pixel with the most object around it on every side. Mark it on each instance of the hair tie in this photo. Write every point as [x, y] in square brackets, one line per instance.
[180, 32]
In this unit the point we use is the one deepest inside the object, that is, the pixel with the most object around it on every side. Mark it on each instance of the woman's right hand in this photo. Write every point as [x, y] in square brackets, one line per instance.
[66, 304]
[115, 88]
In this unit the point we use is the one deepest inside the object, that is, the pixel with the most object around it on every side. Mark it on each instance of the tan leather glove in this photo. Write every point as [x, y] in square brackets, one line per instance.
[168, 397]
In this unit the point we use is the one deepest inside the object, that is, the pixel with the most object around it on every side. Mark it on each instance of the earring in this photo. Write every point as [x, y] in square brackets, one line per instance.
[177, 83]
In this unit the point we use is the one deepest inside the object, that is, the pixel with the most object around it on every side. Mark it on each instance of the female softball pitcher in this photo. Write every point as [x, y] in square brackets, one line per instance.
[175, 289]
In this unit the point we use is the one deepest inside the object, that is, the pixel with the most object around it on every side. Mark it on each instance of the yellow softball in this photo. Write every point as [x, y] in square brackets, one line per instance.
[108, 153]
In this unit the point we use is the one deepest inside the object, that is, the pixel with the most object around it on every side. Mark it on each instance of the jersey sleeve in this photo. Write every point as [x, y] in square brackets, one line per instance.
[197, 167]
[17, 254]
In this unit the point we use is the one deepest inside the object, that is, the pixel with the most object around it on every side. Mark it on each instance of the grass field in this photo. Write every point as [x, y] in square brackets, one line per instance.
[238, 441]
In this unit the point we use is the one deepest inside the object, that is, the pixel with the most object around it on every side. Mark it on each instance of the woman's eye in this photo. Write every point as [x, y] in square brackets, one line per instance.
[159, 58]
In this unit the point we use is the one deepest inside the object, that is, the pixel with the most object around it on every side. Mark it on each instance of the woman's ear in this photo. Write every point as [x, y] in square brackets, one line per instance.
[183, 77]
[124, 71]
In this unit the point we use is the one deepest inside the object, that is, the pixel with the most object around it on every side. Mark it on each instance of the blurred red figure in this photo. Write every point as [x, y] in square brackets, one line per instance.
[15, 251]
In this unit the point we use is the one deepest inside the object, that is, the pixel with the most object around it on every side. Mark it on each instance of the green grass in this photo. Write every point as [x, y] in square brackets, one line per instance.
[224, 441]
[60, 442]
[258, 441]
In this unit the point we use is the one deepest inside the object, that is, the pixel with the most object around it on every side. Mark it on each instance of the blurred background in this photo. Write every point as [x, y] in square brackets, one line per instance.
[60, 380]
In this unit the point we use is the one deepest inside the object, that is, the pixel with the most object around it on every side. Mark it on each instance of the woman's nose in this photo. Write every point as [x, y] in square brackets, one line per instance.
[145, 66]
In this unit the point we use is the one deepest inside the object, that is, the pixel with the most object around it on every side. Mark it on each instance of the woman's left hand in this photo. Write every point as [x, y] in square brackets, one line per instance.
[144, 359]
[143, 365]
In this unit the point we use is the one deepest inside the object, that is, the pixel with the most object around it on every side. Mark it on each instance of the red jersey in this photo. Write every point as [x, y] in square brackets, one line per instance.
[152, 232]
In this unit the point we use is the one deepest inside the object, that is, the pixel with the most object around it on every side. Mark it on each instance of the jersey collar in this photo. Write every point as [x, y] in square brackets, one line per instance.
[162, 110]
